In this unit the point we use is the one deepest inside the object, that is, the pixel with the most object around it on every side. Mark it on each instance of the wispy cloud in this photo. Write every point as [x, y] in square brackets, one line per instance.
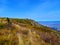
[34, 9]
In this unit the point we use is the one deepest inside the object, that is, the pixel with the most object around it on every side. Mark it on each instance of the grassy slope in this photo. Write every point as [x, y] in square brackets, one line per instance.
[26, 32]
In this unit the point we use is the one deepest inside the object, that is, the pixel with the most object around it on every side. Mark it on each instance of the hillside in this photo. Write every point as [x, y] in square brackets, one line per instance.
[15, 31]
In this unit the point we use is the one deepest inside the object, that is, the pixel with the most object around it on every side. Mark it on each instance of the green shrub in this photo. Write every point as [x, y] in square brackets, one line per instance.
[1, 25]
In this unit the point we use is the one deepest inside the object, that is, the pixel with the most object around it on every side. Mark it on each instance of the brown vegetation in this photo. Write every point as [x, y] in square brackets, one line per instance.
[26, 32]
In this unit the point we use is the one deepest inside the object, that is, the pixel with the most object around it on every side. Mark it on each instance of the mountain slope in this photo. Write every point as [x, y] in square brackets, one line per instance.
[26, 32]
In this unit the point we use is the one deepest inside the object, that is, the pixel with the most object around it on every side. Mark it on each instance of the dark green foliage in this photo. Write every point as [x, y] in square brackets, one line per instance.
[1, 26]
[9, 23]
[8, 20]
[25, 21]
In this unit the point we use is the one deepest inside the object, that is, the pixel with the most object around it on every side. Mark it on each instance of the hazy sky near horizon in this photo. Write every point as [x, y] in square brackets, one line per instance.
[39, 10]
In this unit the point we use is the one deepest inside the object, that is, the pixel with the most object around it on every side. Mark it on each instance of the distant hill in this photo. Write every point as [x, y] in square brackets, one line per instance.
[52, 24]
[15, 31]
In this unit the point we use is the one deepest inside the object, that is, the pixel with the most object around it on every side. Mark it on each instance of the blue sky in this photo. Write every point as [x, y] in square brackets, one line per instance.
[39, 10]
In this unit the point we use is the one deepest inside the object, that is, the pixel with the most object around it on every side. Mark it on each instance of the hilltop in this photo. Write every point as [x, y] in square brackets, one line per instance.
[14, 31]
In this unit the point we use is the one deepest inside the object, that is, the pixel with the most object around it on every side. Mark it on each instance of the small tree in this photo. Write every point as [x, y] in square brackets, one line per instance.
[8, 20]
[9, 23]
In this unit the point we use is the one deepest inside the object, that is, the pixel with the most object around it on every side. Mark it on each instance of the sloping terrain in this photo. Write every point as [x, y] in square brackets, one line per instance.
[26, 32]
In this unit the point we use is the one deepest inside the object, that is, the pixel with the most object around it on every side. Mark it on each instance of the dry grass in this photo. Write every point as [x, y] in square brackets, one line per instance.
[22, 32]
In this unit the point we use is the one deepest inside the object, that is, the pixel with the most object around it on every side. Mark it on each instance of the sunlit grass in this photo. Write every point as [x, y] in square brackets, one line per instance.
[26, 32]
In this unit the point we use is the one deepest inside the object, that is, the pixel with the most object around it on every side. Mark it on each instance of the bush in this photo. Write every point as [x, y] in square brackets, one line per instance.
[1, 25]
